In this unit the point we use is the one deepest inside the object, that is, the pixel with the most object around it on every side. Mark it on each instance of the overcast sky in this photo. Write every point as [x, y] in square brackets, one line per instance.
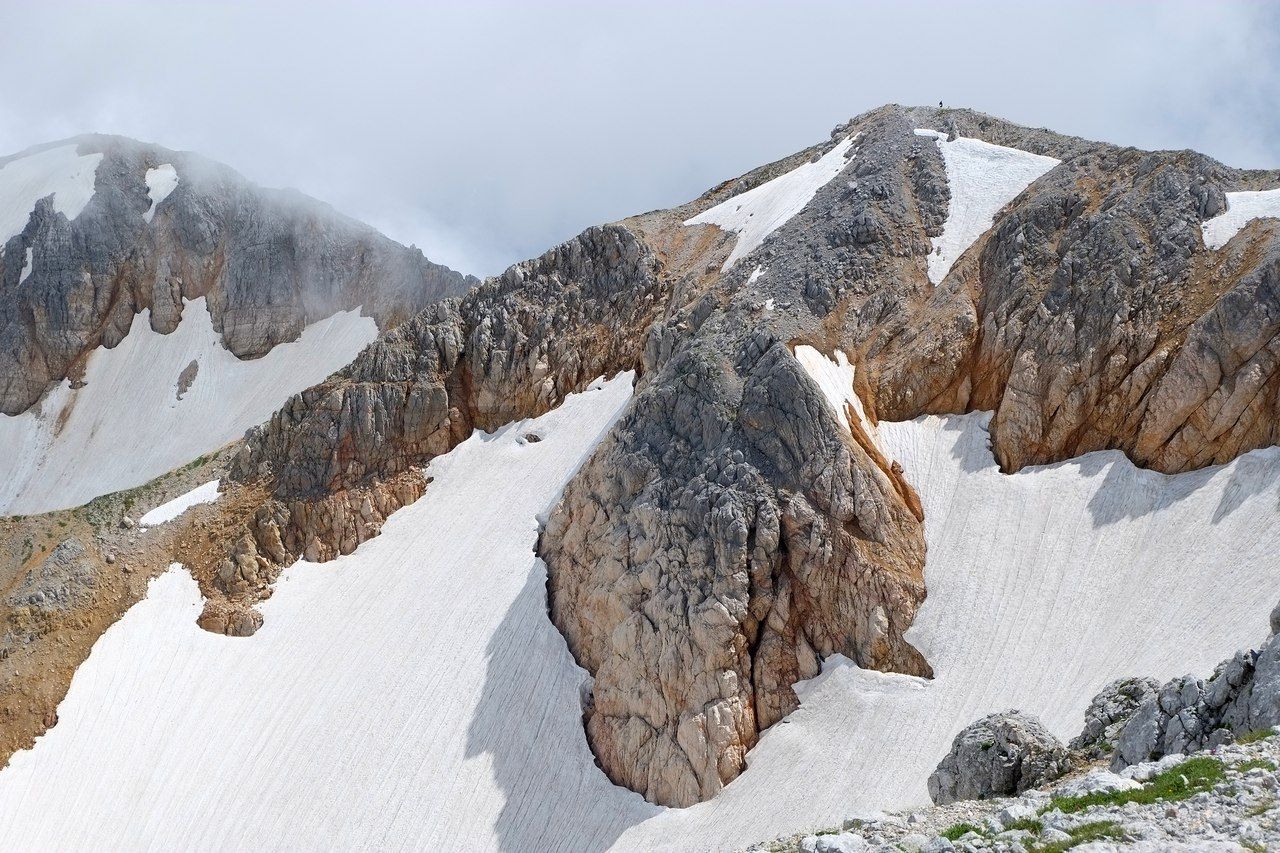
[486, 132]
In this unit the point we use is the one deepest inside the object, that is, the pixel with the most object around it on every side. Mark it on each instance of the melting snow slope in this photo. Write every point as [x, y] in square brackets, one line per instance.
[26, 180]
[1043, 586]
[758, 212]
[127, 423]
[983, 178]
[1242, 207]
[415, 695]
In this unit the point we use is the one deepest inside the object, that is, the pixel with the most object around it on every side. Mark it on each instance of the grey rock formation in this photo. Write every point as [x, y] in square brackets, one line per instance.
[1190, 714]
[269, 263]
[1108, 713]
[1000, 755]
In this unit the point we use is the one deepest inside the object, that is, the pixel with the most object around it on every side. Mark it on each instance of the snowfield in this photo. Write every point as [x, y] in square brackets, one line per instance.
[168, 511]
[161, 181]
[1242, 208]
[758, 212]
[128, 424]
[26, 180]
[415, 695]
[983, 178]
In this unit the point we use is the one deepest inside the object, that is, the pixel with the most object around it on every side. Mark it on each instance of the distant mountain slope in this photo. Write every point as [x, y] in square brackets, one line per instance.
[748, 519]
[105, 237]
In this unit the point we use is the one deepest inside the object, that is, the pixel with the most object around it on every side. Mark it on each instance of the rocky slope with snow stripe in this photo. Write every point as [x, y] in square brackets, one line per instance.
[97, 229]
[728, 515]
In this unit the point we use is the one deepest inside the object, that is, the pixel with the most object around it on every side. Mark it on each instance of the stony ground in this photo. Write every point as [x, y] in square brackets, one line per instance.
[1221, 799]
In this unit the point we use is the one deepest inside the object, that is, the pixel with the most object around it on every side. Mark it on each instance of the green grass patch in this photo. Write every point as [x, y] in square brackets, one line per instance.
[951, 833]
[1254, 764]
[1102, 830]
[1255, 736]
[1189, 778]
[1030, 824]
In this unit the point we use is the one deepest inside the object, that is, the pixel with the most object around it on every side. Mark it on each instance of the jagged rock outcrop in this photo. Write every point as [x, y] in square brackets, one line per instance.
[1000, 755]
[724, 540]
[269, 262]
[1190, 714]
[1109, 712]
[731, 532]
[343, 455]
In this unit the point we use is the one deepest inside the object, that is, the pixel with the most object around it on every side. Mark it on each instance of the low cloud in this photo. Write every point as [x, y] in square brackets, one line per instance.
[486, 132]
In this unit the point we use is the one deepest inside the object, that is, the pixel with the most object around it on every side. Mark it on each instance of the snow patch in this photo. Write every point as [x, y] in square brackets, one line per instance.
[126, 425]
[202, 494]
[835, 378]
[758, 212]
[161, 181]
[1242, 208]
[60, 171]
[27, 261]
[982, 178]
[755, 274]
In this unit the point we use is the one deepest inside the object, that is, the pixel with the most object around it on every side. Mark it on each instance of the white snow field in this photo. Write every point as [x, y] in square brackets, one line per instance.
[414, 695]
[1242, 208]
[26, 180]
[168, 511]
[758, 212]
[127, 423]
[161, 181]
[983, 178]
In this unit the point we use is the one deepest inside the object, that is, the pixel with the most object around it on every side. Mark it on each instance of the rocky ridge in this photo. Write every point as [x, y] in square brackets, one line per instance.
[731, 532]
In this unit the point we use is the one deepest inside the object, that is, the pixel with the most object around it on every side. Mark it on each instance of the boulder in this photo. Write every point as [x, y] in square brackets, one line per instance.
[1000, 755]
[1096, 782]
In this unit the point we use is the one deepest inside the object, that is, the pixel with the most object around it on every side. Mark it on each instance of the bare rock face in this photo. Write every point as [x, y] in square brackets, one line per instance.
[269, 262]
[1189, 714]
[342, 456]
[1000, 755]
[723, 541]
[729, 533]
